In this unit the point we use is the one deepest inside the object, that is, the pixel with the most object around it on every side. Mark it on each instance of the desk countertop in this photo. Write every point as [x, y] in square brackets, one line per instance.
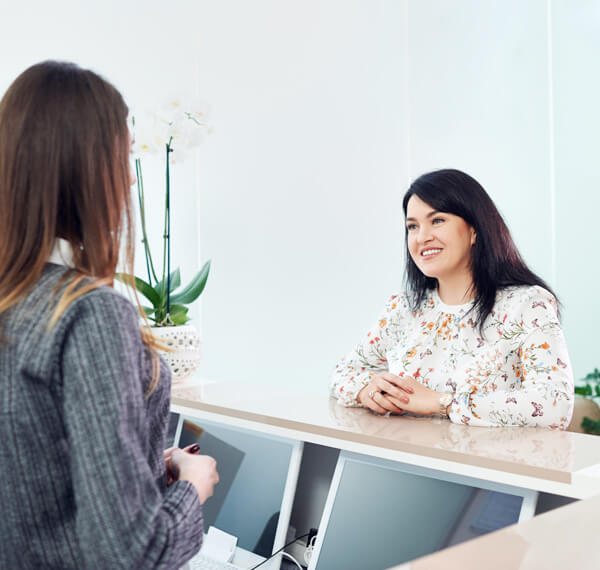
[557, 462]
[562, 538]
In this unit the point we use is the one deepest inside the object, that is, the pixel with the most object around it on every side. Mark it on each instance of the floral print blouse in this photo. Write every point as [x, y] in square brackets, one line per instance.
[517, 373]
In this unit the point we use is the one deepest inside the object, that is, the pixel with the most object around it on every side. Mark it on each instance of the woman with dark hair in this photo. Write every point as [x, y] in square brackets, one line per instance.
[476, 338]
[85, 397]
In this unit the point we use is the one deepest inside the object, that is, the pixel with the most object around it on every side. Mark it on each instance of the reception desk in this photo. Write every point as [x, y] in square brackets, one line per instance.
[561, 463]
[563, 538]
[538, 460]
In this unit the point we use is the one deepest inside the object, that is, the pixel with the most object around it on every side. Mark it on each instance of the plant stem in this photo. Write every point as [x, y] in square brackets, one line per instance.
[168, 207]
[166, 281]
[147, 252]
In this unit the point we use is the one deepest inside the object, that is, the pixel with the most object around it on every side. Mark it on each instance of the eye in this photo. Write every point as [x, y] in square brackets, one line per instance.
[411, 227]
[437, 220]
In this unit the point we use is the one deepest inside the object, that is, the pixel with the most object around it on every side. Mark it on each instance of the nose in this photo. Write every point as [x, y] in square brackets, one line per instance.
[424, 234]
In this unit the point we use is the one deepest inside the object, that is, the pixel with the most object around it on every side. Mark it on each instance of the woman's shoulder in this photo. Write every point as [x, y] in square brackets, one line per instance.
[107, 305]
[100, 302]
[405, 303]
[397, 300]
[526, 297]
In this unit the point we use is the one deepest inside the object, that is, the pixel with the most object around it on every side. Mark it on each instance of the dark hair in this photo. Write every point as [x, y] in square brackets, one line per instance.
[495, 262]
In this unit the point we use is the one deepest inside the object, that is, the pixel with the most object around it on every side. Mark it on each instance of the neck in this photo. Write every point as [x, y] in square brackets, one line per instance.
[62, 253]
[456, 290]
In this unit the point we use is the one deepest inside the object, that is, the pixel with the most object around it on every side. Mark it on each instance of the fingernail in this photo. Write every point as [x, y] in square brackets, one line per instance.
[194, 449]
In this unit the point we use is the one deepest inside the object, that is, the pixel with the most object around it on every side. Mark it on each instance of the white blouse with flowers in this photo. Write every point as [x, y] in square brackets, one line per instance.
[517, 373]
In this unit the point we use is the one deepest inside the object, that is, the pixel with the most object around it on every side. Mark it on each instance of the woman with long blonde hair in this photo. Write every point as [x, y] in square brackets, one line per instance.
[84, 395]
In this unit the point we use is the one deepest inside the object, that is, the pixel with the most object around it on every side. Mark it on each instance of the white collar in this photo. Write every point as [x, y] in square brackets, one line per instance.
[62, 254]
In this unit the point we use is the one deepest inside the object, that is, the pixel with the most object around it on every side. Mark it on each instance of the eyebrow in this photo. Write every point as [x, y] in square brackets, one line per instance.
[430, 215]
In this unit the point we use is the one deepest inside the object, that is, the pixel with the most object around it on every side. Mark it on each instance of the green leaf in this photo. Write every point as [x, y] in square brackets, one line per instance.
[194, 289]
[590, 426]
[148, 310]
[143, 287]
[178, 314]
[175, 281]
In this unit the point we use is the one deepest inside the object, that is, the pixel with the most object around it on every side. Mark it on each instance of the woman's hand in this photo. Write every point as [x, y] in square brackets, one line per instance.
[168, 453]
[199, 470]
[387, 392]
[384, 393]
[193, 448]
[419, 399]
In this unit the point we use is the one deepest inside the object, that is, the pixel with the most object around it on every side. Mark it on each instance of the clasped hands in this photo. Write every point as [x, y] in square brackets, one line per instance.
[387, 392]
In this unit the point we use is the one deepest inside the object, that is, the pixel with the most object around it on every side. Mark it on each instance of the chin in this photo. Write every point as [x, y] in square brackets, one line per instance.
[429, 273]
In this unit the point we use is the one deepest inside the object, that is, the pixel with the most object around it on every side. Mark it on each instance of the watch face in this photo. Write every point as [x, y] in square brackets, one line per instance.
[445, 399]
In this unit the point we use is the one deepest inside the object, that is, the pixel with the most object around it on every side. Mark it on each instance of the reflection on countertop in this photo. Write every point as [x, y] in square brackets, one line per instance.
[529, 446]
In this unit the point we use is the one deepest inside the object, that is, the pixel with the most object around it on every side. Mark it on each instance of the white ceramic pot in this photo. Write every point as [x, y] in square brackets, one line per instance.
[184, 357]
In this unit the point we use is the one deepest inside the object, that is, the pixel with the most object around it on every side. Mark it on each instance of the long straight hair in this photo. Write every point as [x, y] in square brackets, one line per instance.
[495, 259]
[64, 173]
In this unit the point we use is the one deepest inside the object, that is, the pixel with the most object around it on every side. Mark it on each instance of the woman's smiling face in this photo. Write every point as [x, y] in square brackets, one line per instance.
[439, 243]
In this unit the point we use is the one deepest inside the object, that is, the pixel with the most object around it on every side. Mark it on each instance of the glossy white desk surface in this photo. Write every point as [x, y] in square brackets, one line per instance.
[558, 462]
[560, 539]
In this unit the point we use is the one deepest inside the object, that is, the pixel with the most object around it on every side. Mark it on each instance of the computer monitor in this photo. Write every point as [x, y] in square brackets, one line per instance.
[381, 513]
[258, 475]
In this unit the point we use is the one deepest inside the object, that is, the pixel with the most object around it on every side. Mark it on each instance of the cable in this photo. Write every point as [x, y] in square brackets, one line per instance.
[283, 547]
[292, 559]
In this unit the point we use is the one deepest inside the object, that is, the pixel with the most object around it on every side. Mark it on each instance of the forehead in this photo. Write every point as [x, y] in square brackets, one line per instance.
[416, 208]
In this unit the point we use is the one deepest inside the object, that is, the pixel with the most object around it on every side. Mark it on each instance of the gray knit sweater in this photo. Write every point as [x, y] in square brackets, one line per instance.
[81, 454]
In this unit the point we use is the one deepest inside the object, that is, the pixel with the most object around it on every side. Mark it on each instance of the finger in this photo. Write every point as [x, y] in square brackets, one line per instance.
[193, 448]
[401, 405]
[389, 388]
[401, 382]
[176, 457]
[389, 403]
[373, 405]
[382, 401]
[392, 404]
[168, 452]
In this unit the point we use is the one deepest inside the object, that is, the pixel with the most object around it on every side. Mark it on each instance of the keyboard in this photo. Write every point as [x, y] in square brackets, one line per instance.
[202, 562]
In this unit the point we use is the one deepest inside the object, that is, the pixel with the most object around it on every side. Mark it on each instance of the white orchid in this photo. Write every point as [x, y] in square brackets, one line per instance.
[175, 127]
[182, 124]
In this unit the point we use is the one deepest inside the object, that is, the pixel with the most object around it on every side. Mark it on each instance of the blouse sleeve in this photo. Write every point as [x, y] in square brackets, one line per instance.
[122, 517]
[541, 390]
[353, 372]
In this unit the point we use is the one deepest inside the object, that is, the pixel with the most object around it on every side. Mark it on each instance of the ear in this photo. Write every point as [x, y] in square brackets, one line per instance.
[473, 237]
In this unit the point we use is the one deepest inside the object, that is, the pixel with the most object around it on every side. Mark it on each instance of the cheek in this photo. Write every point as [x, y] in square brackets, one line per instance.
[413, 246]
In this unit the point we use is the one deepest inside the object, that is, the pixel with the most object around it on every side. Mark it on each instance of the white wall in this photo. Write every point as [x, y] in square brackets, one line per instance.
[301, 182]
[479, 102]
[148, 50]
[576, 94]
[323, 111]
[327, 109]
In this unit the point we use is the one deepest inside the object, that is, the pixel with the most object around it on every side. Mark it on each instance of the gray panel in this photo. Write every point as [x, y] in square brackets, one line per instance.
[253, 470]
[382, 517]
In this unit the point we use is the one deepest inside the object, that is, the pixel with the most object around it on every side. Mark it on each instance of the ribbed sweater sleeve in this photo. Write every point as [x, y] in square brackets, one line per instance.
[123, 518]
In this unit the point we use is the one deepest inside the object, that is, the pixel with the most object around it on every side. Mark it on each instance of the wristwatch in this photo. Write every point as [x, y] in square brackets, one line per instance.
[445, 400]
